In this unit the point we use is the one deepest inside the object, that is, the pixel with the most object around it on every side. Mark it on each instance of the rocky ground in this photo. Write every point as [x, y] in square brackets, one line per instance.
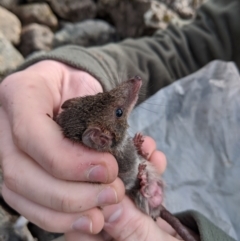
[30, 26]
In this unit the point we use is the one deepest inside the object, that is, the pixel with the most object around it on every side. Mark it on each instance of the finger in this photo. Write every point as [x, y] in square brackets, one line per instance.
[148, 146]
[25, 177]
[157, 158]
[90, 221]
[124, 221]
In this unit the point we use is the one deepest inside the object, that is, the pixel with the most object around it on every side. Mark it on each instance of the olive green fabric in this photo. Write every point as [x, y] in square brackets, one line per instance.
[166, 57]
[202, 226]
[162, 59]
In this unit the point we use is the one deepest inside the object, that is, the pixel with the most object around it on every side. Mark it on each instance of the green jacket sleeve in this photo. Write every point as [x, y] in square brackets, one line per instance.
[165, 57]
[160, 60]
[201, 225]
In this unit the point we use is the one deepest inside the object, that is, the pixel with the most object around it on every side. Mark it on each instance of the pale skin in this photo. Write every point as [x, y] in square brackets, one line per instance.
[47, 177]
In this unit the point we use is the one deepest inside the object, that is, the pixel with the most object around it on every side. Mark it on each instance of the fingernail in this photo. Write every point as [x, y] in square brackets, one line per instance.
[83, 224]
[112, 213]
[98, 174]
[107, 196]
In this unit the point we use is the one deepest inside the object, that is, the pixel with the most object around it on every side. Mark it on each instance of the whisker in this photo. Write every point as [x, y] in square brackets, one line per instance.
[148, 110]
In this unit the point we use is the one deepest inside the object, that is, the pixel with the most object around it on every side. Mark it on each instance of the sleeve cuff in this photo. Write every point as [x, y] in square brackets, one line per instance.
[80, 58]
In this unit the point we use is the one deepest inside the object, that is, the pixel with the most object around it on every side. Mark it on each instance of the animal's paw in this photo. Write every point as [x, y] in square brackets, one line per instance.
[138, 141]
[149, 196]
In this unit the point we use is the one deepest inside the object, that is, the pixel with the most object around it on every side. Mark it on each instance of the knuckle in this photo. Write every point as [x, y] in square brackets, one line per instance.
[62, 202]
[66, 203]
[51, 161]
[53, 166]
[138, 231]
[70, 202]
[44, 222]
[142, 231]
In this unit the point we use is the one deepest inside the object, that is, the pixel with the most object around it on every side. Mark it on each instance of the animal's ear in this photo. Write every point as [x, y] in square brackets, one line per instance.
[93, 137]
[69, 103]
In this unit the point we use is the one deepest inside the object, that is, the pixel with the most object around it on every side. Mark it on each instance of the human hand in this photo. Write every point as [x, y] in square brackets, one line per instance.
[123, 221]
[46, 177]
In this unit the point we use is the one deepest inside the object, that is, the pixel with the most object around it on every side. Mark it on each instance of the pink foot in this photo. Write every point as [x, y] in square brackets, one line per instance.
[138, 141]
[151, 189]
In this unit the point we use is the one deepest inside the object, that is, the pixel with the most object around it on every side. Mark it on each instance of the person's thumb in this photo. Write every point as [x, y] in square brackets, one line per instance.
[123, 221]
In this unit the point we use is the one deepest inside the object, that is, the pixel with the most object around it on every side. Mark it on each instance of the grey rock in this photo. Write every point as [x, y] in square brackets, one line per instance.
[41, 234]
[11, 28]
[13, 228]
[86, 33]
[35, 37]
[37, 1]
[6, 223]
[9, 231]
[159, 16]
[126, 16]
[36, 13]
[184, 8]
[10, 58]
[63, 24]
[10, 3]
[74, 10]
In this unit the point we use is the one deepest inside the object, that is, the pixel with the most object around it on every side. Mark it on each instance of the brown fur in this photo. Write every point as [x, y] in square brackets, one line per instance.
[99, 111]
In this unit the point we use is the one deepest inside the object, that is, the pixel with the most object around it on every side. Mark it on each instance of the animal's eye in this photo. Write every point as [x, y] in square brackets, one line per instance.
[119, 112]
